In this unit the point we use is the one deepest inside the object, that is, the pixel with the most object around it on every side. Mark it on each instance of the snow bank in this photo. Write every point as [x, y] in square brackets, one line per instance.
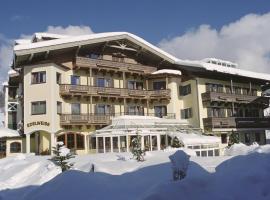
[242, 149]
[242, 177]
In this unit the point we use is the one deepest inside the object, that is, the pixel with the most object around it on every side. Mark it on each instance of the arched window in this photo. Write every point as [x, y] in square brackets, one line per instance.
[15, 147]
[72, 140]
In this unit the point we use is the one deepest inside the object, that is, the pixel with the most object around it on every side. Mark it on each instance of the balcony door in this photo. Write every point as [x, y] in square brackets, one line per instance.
[135, 85]
[102, 109]
[160, 111]
[104, 82]
[135, 110]
[75, 109]
[159, 85]
[75, 80]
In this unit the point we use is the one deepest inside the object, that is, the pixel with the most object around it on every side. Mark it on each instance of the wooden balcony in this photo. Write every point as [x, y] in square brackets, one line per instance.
[226, 97]
[99, 119]
[236, 122]
[84, 119]
[85, 90]
[84, 62]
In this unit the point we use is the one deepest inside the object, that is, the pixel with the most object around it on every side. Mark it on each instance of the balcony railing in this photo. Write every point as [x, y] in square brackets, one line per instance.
[112, 65]
[66, 89]
[103, 119]
[227, 97]
[84, 119]
[236, 122]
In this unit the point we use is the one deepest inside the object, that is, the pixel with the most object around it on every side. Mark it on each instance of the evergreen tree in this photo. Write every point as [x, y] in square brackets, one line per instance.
[137, 151]
[233, 138]
[176, 143]
[62, 155]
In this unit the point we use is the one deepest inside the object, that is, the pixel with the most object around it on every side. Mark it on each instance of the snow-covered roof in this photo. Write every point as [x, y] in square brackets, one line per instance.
[63, 41]
[73, 41]
[13, 73]
[168, 71]
[220, 62]
[49, 35]
[6, 132]
[22, 41]
[193, 139]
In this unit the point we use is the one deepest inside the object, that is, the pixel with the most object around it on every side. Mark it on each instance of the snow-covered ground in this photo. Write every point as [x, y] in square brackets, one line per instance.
[117, 176]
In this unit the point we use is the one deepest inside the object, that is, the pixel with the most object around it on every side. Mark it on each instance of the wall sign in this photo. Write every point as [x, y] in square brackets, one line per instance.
[38, 123]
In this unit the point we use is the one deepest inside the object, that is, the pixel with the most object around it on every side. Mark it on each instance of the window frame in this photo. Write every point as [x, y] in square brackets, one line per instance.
[58, 78]
[59, 103]
[16, 149]
[185, 90]
[39, 77]
[39, 102]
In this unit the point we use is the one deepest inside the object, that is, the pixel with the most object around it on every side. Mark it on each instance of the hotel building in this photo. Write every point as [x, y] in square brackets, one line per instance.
[64, 88]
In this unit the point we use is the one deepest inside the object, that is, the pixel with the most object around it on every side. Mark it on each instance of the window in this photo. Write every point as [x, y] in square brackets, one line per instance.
[237, 90]
[160, 111]
[15, 147]
[159, 85]
[59, 107]
[135, 85]
[75, 80]
[216, 112]
[94, 56]
[38, 107]
[247, 138]
[103, 109]
[38, 77]
[245, 91]
[58, 78]
[228, 89]
[186, 113]
[211, 87]
[104, 82]
[210, 153]
[257, 137]
[254, 92]
[224, 138]
[118, 59]
[80, 141]
[72, 140]
[75, 108]
[185, 90]
[135, 110]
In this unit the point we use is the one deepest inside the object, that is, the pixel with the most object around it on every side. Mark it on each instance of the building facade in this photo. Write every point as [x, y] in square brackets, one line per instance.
[64, 88]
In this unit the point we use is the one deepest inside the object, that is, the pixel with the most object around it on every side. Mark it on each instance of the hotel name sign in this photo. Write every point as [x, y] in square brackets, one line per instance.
[38, 123]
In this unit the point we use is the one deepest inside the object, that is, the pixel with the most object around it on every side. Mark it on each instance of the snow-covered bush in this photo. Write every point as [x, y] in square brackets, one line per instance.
[233, 138]
[61, 156]
[176, 143]
[180, 162]
[137, 151]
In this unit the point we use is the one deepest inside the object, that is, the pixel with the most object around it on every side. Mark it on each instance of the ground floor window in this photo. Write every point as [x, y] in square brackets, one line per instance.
[72, 140]
[224, 138]
[15, 147]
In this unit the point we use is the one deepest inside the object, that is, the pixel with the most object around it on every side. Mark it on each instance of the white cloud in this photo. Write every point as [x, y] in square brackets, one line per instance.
[246, 42]
[70, 30]
[5, 57]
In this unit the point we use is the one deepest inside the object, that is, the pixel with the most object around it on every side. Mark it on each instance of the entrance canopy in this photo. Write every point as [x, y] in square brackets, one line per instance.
[6, 132]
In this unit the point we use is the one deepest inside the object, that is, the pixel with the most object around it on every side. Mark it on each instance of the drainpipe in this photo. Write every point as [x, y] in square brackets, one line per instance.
[198, 102]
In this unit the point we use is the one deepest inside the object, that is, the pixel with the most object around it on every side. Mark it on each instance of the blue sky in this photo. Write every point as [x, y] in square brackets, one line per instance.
[234, 30]
[150, 19]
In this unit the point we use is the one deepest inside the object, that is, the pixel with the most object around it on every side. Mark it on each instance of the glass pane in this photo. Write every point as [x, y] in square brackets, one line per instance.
[75, 80]
[75, 109]
[100, 82]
